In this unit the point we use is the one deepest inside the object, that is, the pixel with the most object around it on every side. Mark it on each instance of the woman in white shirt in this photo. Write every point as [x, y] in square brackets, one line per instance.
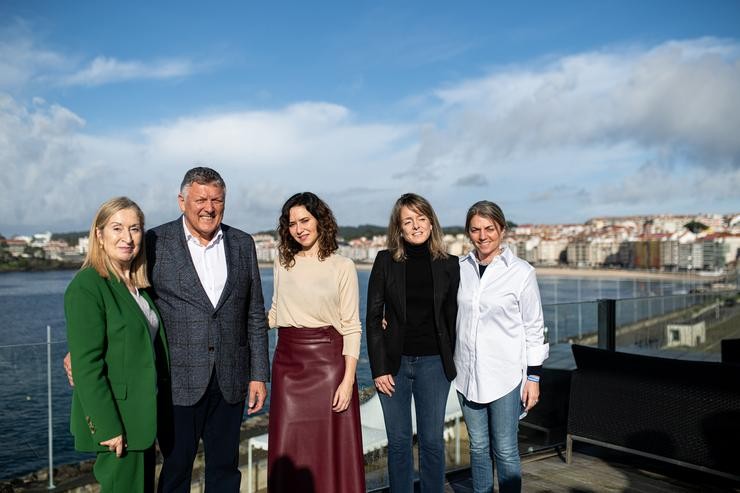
[500, 348]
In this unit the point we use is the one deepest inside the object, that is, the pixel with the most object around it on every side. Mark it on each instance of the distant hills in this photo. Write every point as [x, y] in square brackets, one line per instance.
[346, 232]
[370, 230]
[71, 238]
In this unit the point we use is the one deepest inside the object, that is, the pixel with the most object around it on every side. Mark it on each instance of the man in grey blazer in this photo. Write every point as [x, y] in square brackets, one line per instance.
[208, 291]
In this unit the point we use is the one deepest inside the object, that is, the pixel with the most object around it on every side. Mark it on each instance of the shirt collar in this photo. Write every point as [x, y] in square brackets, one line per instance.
[506, 256]
[189, 236]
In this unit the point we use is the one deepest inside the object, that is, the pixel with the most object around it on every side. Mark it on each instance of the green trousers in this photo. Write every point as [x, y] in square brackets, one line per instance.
[132, 472]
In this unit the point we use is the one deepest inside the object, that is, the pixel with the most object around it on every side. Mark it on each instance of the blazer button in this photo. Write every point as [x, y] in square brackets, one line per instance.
[210, 349]
[214, 316]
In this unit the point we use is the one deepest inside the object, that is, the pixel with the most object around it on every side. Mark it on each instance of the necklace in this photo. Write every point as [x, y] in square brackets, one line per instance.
[499, 252]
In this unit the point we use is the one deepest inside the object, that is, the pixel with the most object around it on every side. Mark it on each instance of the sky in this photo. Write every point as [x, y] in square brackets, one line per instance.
[558, 111]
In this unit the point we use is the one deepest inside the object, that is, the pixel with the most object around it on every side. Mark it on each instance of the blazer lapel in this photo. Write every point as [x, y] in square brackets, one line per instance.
[160, 332]
[398, 270]
[122, 293]
[232, 259]
[438, 277]
[190, 282]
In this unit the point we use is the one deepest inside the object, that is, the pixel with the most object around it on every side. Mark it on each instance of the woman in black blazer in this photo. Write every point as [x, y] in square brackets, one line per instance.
[411, 312]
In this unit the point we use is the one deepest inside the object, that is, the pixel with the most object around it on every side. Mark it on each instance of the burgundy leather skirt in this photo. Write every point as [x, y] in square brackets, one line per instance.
[311, 448]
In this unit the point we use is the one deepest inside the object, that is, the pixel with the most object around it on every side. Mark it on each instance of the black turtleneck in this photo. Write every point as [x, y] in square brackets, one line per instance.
[420, 338]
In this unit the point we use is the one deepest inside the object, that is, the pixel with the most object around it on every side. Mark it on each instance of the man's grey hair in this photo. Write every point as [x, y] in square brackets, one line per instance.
[202, 176]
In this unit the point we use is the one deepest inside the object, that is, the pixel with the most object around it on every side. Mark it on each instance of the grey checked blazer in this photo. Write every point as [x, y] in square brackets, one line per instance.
[232, 337]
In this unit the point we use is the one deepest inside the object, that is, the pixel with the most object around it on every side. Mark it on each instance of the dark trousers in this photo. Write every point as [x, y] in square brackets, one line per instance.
[215, 421]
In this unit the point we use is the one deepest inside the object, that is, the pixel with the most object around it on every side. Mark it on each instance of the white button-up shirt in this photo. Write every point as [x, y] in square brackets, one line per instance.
[500, 328]
[209, 262]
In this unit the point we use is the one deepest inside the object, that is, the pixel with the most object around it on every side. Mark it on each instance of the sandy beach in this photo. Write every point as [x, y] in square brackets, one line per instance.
[619, 274]
[587, 273]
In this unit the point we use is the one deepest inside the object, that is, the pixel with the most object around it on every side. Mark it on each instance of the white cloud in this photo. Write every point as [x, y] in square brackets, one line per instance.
[606, 132]
[682, 95]
[21, 61]
[106, 70]
[264, 156]
[589, 121]
[472, 180]
[666, 186]
[25, 62]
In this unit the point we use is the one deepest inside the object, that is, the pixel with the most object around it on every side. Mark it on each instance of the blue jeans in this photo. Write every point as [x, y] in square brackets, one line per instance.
[424, 378]
[492, 429]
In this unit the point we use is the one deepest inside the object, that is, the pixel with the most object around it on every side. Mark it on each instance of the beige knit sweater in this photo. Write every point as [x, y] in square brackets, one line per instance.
[315, 293]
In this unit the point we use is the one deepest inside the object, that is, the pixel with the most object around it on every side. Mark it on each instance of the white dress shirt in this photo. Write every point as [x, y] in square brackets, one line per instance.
[209, 262]
[500, 328]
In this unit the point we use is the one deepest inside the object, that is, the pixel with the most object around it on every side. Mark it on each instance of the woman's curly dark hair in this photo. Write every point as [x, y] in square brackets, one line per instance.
[327, 228]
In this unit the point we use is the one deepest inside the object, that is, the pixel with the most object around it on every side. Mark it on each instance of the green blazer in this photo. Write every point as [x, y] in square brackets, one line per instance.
[116, 375]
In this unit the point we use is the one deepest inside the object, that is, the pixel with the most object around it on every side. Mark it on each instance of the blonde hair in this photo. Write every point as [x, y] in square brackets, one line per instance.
[96, 256]
[420, 205]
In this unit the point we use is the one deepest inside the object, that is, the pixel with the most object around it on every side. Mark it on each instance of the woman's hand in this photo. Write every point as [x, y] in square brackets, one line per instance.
[531, 394]
[385, 384]
[68, 369]
[342, 396]
[116, 444]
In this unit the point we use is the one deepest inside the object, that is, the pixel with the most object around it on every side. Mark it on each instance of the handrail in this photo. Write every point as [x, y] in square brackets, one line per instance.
[31, 344]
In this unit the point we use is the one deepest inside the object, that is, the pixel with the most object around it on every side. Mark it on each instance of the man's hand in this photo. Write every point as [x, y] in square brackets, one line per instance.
[68, 369]
[257, 396]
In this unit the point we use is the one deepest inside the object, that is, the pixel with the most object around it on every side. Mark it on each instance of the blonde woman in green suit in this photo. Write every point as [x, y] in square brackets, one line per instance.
[118, 349]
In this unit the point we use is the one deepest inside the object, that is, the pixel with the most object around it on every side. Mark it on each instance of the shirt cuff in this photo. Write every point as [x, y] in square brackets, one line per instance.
[536, 355]
[352, 345]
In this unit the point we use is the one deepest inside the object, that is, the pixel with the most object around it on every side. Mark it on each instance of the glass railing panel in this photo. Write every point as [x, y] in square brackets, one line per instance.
[686, 326]
[24, 409]
[568, 323]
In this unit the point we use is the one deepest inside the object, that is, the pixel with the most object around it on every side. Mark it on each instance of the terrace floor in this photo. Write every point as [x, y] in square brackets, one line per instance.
[596, 470]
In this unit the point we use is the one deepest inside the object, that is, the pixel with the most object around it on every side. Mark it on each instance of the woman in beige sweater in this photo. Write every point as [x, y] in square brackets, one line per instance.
[315, 438]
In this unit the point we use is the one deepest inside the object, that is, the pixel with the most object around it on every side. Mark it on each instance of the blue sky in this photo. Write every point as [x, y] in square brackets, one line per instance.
[558, 111]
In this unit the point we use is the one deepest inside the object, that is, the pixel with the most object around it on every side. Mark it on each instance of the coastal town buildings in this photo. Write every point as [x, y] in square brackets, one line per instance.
[687, 243]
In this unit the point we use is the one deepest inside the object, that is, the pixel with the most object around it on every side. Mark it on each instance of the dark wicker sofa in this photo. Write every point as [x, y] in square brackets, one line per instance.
[683, 412]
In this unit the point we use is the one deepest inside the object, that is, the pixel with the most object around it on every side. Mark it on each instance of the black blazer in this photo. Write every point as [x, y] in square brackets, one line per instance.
[386, 297]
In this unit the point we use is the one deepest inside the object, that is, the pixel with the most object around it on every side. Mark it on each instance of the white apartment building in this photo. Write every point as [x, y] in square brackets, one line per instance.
[719, 250]
[579, 254]
[40, 240]
[690, 256]
[604, 250]
[83, 245]
[669, 253]
[550, 250]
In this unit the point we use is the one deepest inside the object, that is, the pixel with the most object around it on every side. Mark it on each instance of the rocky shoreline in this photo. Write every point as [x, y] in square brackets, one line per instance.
[78, 477]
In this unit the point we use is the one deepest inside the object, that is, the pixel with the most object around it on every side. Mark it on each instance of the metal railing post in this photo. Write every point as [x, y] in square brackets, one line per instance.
[457, 441]
[51, 423]
[580, 310]
[607, 330]
[556, 311]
